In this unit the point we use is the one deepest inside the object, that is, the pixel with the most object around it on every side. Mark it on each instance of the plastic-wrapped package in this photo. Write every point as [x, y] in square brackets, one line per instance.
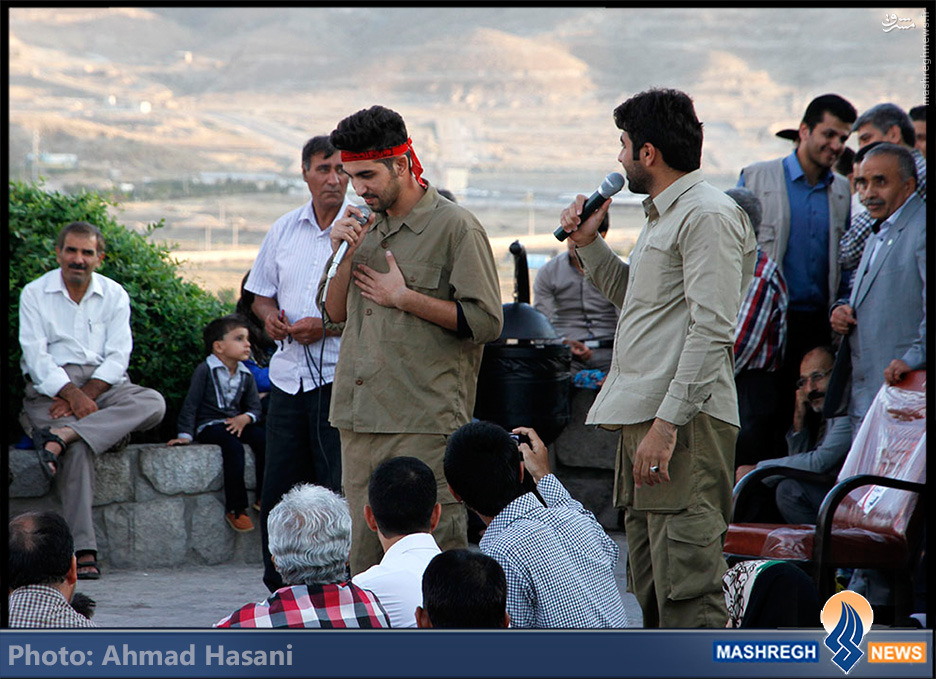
[891, 442]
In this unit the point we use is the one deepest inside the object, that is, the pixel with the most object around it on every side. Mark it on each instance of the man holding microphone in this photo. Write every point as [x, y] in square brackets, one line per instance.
[670, 390]
[417, 295]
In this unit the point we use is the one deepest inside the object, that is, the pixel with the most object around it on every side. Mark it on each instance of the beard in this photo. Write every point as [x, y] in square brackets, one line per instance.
[387, 199]
[821, 157]
[638, 180]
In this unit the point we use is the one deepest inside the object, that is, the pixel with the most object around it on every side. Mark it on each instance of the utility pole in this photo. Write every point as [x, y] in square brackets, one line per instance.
[34, 170]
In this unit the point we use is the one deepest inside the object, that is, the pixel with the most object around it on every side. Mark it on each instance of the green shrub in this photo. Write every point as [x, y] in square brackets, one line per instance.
[167, 313]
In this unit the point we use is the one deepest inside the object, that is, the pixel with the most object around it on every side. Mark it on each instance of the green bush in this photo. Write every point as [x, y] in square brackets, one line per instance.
[167, 313]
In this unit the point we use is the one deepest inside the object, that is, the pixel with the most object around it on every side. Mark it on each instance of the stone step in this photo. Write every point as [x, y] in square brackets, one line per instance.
[154, 505]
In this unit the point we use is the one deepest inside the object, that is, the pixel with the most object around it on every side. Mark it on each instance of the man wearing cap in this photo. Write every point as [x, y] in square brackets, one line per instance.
[805, 212]
[417, 296]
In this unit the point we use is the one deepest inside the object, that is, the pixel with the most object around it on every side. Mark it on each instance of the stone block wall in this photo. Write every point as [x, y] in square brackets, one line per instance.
[154, 506]
[158, 506]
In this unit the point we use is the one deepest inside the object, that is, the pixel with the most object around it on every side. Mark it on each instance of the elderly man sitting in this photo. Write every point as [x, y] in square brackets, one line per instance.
[310, 539]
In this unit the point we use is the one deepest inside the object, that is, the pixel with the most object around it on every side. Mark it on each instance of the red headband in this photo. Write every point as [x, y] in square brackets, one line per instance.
[377, 154]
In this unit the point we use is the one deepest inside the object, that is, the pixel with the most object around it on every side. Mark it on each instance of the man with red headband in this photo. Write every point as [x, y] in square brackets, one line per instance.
[417, 296]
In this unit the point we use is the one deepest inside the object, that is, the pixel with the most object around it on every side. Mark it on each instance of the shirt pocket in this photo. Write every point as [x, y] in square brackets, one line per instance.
[766, 235]
[658, 276]
[97, 335]
[423, 278]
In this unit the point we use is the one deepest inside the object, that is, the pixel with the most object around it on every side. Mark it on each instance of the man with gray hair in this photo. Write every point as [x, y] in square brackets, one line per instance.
[310, 539]
[884, 318]
[880, 123]
[760, 335]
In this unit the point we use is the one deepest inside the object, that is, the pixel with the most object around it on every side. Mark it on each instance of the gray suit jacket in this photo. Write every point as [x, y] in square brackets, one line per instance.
[889, 300]
[825, 458]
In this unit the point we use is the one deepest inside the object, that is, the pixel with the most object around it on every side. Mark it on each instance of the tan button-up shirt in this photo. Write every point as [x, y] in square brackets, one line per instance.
[397, 373]
[679, 299]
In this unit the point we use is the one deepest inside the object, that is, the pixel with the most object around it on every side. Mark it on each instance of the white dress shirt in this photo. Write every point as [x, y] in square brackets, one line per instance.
[397, 579]
[55, 331]
[289, 267]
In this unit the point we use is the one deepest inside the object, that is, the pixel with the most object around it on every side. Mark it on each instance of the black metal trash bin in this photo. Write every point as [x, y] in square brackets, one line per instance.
[525, 373]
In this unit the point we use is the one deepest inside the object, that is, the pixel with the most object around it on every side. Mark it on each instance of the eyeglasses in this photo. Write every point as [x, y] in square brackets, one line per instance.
[811, 377]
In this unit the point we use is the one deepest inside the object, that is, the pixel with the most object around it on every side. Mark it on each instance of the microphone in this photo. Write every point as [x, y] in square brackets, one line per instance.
[343, 248]
[613, 183]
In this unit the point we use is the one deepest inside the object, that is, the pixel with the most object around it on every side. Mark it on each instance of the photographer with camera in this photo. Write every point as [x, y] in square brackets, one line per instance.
[558, 560]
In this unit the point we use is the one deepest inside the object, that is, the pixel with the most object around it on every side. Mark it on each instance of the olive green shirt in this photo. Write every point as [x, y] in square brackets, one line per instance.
[679, 298]
[396, 372]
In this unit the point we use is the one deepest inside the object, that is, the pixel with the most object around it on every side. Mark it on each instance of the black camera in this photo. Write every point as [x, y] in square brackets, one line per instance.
[521, 438]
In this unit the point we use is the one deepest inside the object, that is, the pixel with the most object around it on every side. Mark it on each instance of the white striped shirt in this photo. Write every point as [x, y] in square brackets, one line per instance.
[289, 267]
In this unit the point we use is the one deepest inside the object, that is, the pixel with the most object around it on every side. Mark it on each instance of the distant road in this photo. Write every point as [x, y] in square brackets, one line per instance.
[288, 140]
[499, 244]
[245, 253]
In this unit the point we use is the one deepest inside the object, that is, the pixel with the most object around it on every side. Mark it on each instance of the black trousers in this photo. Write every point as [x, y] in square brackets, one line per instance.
[232, 458]
[302, 447]
[759, 399]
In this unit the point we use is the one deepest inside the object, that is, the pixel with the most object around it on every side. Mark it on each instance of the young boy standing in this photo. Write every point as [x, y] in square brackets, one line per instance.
[222, 407]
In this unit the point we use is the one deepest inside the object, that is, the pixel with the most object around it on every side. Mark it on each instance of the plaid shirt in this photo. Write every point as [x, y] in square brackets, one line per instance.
[43, 606]
[336, 606]
[760, 333]
[558, 560]
[853, 241]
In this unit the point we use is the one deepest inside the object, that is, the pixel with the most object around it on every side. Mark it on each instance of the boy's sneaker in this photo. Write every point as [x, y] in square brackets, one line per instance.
[241, 523]
[256, 506]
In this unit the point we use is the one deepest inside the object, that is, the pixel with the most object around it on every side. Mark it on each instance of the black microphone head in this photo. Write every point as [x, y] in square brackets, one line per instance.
[613, 183]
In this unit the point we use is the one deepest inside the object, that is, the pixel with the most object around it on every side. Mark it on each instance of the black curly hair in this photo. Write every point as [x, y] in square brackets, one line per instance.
[370, 129]
[666, 119]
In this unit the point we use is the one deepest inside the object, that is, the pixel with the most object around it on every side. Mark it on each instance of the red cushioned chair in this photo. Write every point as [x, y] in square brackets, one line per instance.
[872, 517]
